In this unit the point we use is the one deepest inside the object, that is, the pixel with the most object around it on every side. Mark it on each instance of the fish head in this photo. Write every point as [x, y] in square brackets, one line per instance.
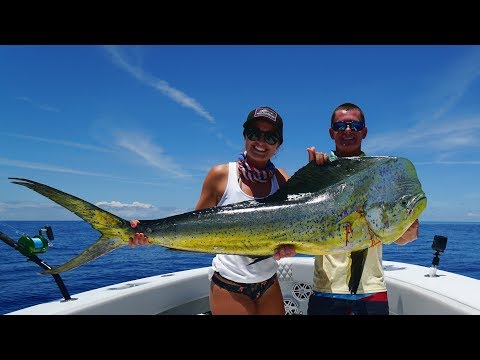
[389, 221]
[402, 202]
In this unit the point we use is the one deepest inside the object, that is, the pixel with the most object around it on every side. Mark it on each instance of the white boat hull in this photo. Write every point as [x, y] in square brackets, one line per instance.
[410, 291]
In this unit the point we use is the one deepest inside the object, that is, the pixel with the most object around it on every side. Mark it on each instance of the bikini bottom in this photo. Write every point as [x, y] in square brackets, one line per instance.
[253, 290]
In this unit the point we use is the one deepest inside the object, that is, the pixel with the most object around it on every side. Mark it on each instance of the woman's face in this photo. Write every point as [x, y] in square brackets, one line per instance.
[258, 149]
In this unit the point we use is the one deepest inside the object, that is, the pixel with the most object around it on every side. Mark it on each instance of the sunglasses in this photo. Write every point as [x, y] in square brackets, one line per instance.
[342, 125]
[253, 134]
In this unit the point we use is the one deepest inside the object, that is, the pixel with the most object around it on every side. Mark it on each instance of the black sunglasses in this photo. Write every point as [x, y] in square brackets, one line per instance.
[342, 125]
[253, 134]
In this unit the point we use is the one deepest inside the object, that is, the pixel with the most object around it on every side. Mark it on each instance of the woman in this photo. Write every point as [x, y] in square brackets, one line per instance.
[243, 285]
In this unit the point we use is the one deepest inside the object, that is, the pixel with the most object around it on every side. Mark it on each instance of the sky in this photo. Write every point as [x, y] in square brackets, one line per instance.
[134, 129]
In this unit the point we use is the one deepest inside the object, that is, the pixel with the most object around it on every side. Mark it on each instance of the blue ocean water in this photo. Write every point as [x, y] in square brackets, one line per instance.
[22, 285]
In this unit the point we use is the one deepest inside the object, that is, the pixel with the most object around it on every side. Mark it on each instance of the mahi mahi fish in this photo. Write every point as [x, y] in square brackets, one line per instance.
[347, 205]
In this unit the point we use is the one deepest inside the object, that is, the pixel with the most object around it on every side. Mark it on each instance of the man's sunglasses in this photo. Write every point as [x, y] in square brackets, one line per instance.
[253, 134]
[342, 125]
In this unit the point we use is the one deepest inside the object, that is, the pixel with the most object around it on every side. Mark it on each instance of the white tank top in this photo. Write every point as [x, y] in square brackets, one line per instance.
[243, 269]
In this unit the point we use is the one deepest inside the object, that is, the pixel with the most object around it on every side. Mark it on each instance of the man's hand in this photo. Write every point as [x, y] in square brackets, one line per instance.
[410, 235]
[319, 157]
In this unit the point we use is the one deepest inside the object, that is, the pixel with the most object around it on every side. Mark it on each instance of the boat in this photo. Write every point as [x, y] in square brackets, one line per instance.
[412, 290]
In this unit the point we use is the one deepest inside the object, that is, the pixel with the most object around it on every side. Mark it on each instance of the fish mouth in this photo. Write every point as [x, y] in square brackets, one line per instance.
[415, 201]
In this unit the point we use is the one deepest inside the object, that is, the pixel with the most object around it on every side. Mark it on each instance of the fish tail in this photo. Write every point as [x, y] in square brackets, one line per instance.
[114, 231]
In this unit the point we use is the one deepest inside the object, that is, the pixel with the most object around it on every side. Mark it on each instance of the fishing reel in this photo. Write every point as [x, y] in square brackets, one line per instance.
[30, 246]
[439, 244]
[36, 244]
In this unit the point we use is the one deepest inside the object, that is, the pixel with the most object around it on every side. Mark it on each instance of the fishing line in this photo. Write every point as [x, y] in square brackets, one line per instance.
[15, 230]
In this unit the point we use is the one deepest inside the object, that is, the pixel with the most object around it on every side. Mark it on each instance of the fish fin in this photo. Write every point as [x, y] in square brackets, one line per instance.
[351, 218]
[356, 269]
[313, 178]
[113, 229]
[357, 257]
[103, 246]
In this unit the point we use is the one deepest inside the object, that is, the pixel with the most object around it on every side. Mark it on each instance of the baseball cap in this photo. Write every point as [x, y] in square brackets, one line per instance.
[268, 114]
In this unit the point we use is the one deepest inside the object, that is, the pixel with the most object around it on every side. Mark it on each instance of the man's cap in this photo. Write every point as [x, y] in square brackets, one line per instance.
[268, 114]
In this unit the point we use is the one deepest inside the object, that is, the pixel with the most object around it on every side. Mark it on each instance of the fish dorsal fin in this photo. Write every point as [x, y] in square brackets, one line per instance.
[313, 178]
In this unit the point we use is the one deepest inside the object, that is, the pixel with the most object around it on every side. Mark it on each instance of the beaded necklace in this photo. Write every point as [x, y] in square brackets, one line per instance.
[251, 173]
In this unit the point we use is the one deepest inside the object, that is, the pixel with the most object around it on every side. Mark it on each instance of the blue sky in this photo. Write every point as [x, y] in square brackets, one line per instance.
[134, 129]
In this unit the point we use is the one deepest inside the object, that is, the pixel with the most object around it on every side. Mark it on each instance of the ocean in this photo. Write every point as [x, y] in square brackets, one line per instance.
[22, 285]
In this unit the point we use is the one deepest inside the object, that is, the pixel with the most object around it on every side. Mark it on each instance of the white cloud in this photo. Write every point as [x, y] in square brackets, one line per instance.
[176, 95]
[142, 146]
[40, 106]
[120, 205]
[59, 142]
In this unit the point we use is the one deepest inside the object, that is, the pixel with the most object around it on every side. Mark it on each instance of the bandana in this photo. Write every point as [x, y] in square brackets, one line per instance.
[253, 174]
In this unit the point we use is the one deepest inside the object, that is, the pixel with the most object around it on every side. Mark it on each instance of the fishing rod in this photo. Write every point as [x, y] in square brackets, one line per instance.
[30, 246]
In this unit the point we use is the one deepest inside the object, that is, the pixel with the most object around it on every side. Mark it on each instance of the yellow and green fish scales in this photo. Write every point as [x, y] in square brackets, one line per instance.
[348, 204]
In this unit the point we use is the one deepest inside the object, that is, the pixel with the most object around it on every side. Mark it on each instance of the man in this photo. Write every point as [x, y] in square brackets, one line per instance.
[332, 281]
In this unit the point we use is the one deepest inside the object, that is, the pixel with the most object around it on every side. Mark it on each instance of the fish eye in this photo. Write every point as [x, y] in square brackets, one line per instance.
[404, 200]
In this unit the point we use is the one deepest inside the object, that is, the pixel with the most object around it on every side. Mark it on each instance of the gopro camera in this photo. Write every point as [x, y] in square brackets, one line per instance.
[439, 243]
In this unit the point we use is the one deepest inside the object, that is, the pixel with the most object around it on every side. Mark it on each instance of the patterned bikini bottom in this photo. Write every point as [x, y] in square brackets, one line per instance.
[253, 290]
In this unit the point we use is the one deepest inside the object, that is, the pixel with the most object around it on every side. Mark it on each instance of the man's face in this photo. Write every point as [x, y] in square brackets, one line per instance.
[348, 137]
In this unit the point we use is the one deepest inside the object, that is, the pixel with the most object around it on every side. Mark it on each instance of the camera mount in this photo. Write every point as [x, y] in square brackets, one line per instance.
[439, 244]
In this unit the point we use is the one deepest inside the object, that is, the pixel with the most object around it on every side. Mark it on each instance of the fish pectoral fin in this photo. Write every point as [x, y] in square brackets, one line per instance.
[99, 248]
[351, 218]
[350, 222]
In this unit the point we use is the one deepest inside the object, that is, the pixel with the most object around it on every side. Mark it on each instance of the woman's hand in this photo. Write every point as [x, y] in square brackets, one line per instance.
[284, 251]
[138, 238]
